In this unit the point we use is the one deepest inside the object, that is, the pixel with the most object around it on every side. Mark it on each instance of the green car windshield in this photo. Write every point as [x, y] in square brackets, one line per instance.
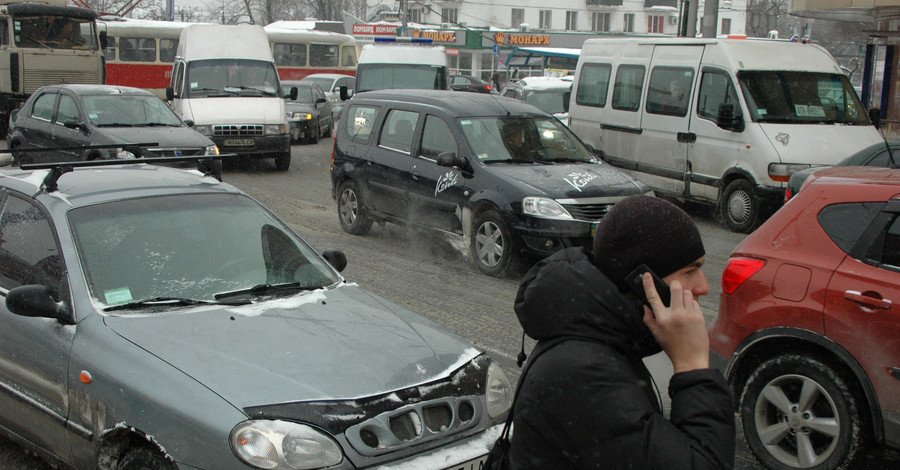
[189, 248]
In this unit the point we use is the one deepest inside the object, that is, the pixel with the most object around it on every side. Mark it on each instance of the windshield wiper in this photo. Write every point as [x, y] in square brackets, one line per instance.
[115, 124]
[158, 302]
[509, 160]
[266, 289]
[211, 91]
[565, 160]
[157, 124]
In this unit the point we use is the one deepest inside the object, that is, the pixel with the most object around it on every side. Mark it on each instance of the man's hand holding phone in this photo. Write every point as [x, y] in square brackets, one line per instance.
[679, 328]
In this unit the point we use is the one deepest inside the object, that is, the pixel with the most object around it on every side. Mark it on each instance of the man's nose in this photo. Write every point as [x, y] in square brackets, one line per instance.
[701, 287]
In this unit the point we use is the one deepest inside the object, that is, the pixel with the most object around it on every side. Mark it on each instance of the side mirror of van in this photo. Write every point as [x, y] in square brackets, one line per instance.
[875, 117]
[103, 40]
[345, 92]
[450, 159]
[292, 96]
[170, 93]
[727, 120]
[567, 96]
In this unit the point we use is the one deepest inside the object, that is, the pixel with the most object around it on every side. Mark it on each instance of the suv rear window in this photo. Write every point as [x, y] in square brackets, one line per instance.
[845, 223]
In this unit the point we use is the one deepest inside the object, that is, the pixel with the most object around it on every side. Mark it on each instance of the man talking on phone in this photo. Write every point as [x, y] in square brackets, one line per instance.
[589, 401]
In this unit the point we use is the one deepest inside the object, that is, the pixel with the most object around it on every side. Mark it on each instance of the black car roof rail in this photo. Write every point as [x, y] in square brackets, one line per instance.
[58, 169]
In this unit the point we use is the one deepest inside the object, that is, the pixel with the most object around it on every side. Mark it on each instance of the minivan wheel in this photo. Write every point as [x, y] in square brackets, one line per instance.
[491, 246]
[797, 412]
[145, 457]
[283, 161]
[740, 206]
[352, 211]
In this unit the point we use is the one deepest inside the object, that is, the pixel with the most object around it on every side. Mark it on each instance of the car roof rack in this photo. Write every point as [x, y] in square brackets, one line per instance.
[57, 169]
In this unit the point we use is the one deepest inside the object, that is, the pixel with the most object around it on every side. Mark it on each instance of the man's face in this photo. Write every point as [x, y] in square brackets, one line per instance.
[691, 278]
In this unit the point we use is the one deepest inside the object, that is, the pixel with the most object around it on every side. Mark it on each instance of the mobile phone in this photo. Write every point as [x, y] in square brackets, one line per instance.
[635, 282]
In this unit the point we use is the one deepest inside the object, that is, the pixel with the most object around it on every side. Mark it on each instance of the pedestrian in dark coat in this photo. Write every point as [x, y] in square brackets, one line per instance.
[590, 402]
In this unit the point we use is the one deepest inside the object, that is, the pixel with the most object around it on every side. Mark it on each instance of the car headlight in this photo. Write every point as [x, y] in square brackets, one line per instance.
[280, 444]
[499, 392]
[205, 129]
[300, 116]
[275, 129]
[545, 208]
[124, 154]
[212, 150]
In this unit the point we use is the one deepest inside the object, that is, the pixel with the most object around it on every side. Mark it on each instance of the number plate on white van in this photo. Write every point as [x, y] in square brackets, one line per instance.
[239, 142]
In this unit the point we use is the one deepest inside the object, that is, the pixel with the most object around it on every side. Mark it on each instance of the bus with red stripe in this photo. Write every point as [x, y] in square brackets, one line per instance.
[141, 53]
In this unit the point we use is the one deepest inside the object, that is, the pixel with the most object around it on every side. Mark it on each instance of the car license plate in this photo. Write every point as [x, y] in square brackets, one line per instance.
[238, 142]
[475, 464]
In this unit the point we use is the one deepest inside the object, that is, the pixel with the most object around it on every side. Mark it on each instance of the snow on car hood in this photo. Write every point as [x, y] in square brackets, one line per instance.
[236, 110]
[342, 343]
[818, 144]
[573, 180]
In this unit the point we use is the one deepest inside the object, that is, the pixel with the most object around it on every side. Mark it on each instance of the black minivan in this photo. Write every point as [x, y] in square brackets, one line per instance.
[510, 179]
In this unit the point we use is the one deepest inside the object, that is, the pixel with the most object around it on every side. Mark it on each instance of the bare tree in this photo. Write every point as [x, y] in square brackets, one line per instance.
[763, 16]
[333, 9]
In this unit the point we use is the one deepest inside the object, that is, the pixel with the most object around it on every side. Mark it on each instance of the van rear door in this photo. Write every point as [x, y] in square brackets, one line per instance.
[666, 117]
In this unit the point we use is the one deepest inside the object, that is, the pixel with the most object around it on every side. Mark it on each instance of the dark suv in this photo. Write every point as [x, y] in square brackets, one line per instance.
[506, 176]
[807, 331]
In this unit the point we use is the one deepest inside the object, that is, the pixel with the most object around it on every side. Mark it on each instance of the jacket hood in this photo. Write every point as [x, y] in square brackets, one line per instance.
[566, 295]
[342, 343]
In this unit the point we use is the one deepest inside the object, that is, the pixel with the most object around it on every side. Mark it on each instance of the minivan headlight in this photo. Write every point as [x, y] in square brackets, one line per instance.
[283, 444]
[499, 392]
[212, 150]
[545, 208]
[275, 129]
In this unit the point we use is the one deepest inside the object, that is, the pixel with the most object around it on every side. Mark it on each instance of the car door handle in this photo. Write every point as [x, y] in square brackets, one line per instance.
[687, 137]
[858, 297]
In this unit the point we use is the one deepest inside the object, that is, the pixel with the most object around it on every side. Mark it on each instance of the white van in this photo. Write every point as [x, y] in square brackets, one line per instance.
[717, 121]
[224, 80]
[387, 66]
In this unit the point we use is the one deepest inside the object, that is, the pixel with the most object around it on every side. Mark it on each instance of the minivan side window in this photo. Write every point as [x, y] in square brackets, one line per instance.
[361, 122]
[67, 109]
[670, 90]
[716, 89]
[43, 106]
[397, 132]
[627, 90]
[437, 138]
[593, 85]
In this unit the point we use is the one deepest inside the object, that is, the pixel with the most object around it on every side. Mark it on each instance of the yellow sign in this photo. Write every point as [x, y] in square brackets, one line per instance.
[506, 39]
[436, 36]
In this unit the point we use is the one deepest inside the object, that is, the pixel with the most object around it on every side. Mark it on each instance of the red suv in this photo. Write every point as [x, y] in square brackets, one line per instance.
[807, 332]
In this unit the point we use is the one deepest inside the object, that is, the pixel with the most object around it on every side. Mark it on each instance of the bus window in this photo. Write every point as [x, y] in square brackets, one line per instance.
[323, 55]
[110, 52]
[348, 56]
[167, 49]
[290, 54]
[137, 49]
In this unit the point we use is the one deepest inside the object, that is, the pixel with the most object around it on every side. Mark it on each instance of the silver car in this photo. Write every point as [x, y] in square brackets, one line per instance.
[157, 318]
[331, 83]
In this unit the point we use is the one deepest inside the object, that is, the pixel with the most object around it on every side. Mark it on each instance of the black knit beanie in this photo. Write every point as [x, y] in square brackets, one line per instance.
[648, 230]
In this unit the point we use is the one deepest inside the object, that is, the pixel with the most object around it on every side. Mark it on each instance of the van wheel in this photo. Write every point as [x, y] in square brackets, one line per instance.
[283, 161]
[740, 206]
[145, 457]
[796, 412]
[491, 246]
[352, 211]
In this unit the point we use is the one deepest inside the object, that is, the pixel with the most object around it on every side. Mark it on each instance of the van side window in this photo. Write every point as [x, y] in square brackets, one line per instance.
[397, 132]
[670, 90]
[627, 90]
[437, 138]
[593, 85]
[361, 122]
[716, 89]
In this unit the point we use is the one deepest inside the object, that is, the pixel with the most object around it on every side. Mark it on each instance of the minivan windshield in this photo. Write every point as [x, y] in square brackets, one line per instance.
[801, 98]
[392, 76]
[197, 248]
[124, 110]
[523, 139]
[231, 77]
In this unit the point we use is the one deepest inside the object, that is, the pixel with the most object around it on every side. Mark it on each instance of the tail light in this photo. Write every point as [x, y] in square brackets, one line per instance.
[738, 271]
[788, 194]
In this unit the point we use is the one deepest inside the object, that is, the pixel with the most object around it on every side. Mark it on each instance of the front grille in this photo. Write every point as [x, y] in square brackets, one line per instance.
[589, 209]
[414, 424]
[173, 152]
[32, 80]
[237, 130]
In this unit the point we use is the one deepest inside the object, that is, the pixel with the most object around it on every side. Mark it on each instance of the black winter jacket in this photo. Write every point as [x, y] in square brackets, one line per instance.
[591, 403]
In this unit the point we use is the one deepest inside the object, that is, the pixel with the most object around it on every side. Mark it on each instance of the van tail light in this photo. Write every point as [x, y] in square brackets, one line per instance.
[738, 271]
[788, 194]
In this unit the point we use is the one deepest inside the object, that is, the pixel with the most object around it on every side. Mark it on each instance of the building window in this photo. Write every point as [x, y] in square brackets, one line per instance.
[726, 26]
[414, 15]
[629, 23]
[546, 20]
[571, 21]
[518, 17]
[655, 23]
[600, 22]
[449, 15]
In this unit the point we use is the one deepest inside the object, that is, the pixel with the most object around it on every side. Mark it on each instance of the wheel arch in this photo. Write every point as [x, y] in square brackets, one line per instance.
[768, 343]
[117, 441]
[733, 174]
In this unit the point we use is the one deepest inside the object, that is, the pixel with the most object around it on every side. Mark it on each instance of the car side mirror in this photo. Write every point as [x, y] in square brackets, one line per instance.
[345, 92]
[566, 97]
[595, 151]
[321, 100]
[75, 124]
[292, 95]
[35, 301]
[875, 117]
[189, 122]
[450, 159]
[336, 258]
[170, 93]
[103, 40]
[726, 119]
